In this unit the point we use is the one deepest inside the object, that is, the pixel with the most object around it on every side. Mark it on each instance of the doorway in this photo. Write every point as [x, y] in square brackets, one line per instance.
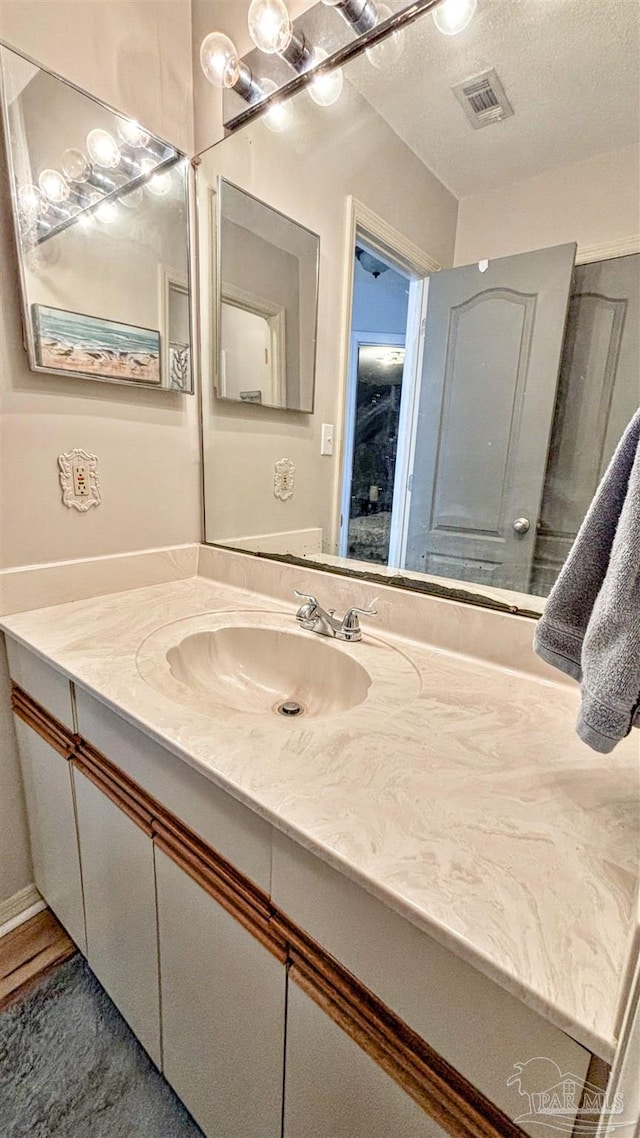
[383, 297]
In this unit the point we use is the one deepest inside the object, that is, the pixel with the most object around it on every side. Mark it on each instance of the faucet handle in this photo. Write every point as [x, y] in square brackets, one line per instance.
[306, 611]
[351, 623]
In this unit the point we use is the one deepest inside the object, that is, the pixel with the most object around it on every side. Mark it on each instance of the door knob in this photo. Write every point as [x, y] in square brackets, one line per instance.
[521, 525]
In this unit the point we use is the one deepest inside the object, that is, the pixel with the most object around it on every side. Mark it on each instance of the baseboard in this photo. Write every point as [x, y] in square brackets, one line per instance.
[19, 908]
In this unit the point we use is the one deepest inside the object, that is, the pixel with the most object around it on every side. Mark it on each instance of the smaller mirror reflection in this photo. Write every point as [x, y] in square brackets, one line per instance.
[267, 299]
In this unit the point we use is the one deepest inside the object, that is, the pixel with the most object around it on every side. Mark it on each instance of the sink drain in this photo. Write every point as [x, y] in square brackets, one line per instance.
[289, 708]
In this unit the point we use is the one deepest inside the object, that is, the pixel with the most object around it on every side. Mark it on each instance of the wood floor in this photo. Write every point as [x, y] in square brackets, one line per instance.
[29, 952]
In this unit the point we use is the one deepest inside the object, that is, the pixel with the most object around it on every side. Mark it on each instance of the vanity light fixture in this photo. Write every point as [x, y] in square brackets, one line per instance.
[271, 30]
[54, 186]
[453, 16]
[75, 165]
[325, 88]
[223, 67]
[361, 15]
[103, 149]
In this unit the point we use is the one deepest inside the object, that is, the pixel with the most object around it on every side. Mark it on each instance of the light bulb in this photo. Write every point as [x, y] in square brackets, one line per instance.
[130, 131]
[388, 51]
[270, 25]
[454, 16]
[219, 60]
[107, 212]
[159, 184]
[30, 203]
[133, 199]
[53, 186]
[103, 149]
[75, 165]
[325, 88]
[278, 117]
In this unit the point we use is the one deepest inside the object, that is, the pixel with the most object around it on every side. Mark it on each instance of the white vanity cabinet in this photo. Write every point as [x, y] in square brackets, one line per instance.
[48, 790]
[120, 909]
[223, 1012]
[333, 1089]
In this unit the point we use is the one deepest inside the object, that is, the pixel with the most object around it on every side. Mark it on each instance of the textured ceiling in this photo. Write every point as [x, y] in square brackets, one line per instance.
[570, 69]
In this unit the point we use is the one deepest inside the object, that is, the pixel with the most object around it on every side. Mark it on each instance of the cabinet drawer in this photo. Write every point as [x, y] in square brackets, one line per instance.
[232, 829]
[48, 687]
[474, 1024]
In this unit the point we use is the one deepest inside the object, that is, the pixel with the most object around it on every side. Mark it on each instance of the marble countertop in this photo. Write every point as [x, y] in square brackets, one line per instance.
[473, 810]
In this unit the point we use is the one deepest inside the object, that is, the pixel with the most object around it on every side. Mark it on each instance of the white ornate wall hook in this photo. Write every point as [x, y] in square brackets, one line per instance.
[284, 480]
[79, 479]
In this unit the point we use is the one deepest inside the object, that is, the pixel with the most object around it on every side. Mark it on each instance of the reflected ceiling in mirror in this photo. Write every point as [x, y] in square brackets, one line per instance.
[500, 156]
[101, 220]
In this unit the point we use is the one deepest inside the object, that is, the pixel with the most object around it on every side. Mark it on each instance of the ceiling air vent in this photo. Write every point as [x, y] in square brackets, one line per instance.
[483, 100]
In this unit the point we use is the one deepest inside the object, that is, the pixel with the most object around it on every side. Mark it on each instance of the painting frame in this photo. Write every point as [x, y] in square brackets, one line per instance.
[93, 347]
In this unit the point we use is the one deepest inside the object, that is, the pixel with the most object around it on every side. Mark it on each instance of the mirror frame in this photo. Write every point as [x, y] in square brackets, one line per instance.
[189, 197]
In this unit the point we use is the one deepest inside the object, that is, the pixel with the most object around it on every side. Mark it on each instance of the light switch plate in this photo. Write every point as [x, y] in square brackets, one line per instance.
[326, 442]
[79, 479]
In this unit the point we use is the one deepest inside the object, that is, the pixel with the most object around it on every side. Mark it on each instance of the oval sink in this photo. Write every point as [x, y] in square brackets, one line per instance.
[251, 662]
[255, 669]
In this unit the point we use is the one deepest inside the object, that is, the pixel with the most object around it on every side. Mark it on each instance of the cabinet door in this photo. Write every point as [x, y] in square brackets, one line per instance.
[223, 1012]
[334, 1090]
[120, 908]
[48, 792]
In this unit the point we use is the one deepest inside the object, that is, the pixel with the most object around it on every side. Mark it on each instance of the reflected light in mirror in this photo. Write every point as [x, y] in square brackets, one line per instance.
[325, 88]
[53, 185]
[278, 117]
[454, 16]
[388, 51]
[159, 184]
[130, 131]
[75, 165]
[103, 149]
[107, 212]
[31, 203]
[270, 26]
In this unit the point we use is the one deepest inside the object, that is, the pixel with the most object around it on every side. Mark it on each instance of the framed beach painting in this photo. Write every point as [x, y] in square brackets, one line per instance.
[92, 346]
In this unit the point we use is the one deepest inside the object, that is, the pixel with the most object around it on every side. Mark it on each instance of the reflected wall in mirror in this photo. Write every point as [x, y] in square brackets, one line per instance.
[266, 297]
[101, 219]
[478, 347]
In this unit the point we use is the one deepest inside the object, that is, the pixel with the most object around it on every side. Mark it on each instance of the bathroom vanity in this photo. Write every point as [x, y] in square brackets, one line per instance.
[363, 921]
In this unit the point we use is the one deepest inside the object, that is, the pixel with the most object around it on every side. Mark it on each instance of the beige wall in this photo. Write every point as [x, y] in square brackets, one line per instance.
[592, 202]
[242, 443]
[136, 55]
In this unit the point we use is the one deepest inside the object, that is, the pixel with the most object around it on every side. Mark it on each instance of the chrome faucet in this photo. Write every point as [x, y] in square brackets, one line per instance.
[312, 616]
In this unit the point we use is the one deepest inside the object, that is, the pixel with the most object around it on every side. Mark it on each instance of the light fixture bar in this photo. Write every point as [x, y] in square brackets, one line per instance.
[298, 54]
[361, 15]
[246, 86]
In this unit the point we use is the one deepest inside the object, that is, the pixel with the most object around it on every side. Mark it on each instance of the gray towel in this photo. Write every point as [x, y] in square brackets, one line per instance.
[591, 623]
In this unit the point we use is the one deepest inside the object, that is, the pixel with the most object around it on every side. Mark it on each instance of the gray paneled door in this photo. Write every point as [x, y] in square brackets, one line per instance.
[492, 348]
[598, 393]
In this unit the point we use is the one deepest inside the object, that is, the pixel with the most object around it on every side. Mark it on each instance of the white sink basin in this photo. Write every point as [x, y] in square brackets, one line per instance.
[260, 663]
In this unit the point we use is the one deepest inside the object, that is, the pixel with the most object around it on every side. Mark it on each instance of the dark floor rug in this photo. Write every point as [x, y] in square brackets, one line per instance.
[71, 1068]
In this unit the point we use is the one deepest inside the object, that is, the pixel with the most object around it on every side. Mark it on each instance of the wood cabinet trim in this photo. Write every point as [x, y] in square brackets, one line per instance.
[45, 725]
[439, 1089]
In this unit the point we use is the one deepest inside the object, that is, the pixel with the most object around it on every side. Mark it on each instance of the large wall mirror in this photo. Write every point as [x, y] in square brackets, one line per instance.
[477, 199]
[101, 217]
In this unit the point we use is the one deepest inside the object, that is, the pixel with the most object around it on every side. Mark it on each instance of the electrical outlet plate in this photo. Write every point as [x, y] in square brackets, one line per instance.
[79, 479]
[284, 480]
